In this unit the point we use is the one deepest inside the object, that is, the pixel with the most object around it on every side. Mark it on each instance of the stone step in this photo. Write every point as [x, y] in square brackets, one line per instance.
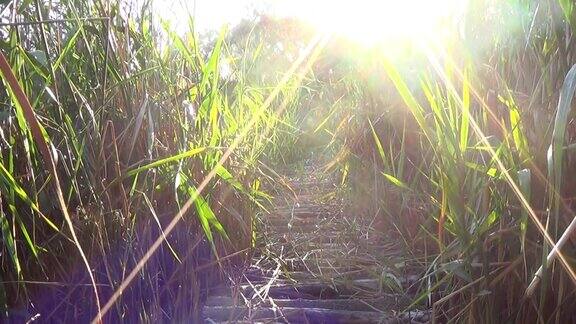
[296, 315]
[211, 321]
[328, 274]
[344, 272]
[329, 271]
[303, 214]
[298, 221]
[316, 263]
[338, 289]
[325, 237]
[327, 260]
[382, 303]
[291, 204]
[306, 229]
[308, 243]
[310, 183]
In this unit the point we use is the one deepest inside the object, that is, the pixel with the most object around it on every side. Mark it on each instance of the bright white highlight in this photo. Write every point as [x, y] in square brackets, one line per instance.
[368, 22]
[373, 21]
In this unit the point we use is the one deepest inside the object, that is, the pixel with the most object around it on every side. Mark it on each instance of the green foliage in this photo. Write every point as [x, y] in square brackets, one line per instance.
[136, 116]
[464, 137]
[448, 145]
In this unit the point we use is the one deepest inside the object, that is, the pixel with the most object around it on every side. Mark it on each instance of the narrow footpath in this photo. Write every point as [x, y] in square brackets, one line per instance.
[314, 264]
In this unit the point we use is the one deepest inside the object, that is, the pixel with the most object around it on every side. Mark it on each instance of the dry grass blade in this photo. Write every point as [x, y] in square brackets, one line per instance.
[551, 256]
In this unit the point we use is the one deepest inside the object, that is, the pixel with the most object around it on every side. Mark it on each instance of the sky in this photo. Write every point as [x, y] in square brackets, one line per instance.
[212, 14]
[367, 21]
[209, 14]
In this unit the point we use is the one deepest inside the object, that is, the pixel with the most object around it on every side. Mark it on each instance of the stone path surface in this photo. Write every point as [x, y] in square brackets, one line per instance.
[313, 264]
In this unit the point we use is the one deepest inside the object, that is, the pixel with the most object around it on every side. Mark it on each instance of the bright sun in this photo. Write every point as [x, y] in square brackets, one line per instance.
[372, 22]
[368, 22]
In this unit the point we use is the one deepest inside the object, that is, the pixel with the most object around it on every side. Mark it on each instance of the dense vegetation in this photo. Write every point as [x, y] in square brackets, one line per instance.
[133, 158]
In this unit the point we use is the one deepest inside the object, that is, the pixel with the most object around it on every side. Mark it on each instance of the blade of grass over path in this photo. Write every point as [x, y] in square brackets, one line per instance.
[551, 256]
[556, 149]
[312, 48]
[21, 100]
[555, 174]
[161, 162]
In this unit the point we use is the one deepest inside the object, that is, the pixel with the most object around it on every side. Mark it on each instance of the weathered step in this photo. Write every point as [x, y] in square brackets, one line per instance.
[310, 184]
[333, 250]
[296, 315]
[306, 229]
[317, 265]
[350, 246]
[384, 302]
[303, 214]
[338, 289]
[372, 276]
[299, 263]
[313, 237]
[325, 273]
[298, 221]
[320, 266]
[289, 205]
[297, 224]
[298, 259]
[211, 321]
[344, 273]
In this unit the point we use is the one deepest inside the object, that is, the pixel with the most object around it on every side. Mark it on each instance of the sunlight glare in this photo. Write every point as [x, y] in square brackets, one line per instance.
[366, 22]
[375, 22]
